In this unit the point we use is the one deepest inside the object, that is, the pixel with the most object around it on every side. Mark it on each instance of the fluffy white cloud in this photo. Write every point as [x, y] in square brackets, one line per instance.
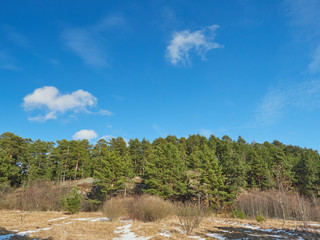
[85, 134]
[184, 42]
[49, 99]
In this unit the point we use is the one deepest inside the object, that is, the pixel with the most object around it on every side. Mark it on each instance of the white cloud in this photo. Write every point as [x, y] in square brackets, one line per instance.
[107, 137]
[84, 44]
[88, 42]
[9, 66]
[304, 17]
[184, 42]
[314, 65]
[7, 62]
[304, 96]
[14, 36]
[50, 100]
[85, 134]
[206, 132]
[304, 14]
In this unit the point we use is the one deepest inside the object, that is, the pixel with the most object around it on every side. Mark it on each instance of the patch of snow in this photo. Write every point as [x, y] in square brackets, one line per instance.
[314, 224]
[165, 234]
[197, 237]
[126, 233]
[103, 219]
[217, 236]
[181, 231]
[82, 219]
[277, 236]
[56, 219]
[127, 221]
[27, 233]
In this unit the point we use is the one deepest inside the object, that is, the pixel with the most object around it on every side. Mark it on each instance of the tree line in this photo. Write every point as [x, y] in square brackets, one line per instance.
[211, 170]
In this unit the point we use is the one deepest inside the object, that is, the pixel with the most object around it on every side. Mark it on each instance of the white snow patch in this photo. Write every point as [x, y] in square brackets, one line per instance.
[165, 234]
[126, 233]
[103, 219]
[313, 224]
[197, 237]
[27, 233]
[82, 219]
[56, 219]
[217, 236]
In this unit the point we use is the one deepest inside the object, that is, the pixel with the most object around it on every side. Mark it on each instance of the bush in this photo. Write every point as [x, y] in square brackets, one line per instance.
[190, 216]
[270, 205]
[38, 196]
[150, 208]
[116, 207]
[72, 202]
[238, 214]
[260, 218]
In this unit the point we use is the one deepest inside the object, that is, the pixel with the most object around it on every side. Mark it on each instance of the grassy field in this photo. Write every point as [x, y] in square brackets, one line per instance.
[94, 226]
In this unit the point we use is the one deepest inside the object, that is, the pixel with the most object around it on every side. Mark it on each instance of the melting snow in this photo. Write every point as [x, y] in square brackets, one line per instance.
[197, 237]
[217, 236]
[165, 234]
[126, 233]
[56, 219]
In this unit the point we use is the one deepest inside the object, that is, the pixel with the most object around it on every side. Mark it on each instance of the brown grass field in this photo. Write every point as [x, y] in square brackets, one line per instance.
[94, 226]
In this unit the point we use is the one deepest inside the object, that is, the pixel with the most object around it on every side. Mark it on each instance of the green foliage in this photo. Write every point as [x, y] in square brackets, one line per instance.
[165, 174]
[238, 214]
[212, 171]
[260, 218]
[72, 202]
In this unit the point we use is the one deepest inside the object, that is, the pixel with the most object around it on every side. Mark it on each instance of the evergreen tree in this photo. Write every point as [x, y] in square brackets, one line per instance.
[165, 174]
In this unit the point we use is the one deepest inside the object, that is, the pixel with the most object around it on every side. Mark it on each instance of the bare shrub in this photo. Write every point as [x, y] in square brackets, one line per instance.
[275, 204]
[40, 196]
[116, 207]
[150, 208]
[190, 216]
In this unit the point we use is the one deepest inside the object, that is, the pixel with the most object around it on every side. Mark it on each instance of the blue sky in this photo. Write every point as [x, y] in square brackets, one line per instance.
[95, 69]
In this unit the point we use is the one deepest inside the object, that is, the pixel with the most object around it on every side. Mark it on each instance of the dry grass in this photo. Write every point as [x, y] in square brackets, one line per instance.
[70, 228]
[66, 228]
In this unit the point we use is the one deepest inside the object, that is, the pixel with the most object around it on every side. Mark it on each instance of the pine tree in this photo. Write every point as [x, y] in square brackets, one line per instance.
[165, 174]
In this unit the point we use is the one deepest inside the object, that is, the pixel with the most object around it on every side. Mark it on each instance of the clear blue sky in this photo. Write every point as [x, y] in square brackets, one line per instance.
[150, 68]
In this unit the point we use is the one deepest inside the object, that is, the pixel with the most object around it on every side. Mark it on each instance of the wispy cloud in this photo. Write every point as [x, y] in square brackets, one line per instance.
[7, 62]
[88, 42]
[304, 14]
[185, 42]
[14, 36]
[107, 137]
[159, 130]
[314, 65]
[206, 132]
[304, 96]
[304, 17]
[85, 134]
[52, 102]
